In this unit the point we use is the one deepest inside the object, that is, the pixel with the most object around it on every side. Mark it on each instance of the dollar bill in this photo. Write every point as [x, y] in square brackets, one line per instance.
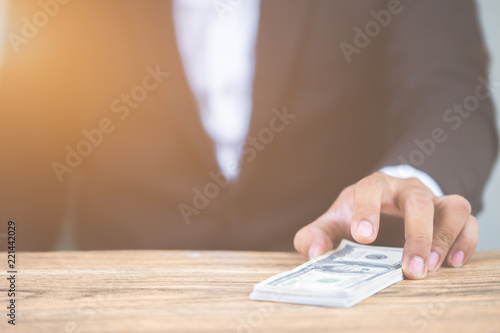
[341, 278]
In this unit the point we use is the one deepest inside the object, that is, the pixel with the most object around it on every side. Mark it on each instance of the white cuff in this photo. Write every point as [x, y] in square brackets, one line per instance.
[406, 171]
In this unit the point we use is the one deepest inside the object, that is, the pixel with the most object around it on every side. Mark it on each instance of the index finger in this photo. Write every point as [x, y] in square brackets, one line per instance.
[366, 208]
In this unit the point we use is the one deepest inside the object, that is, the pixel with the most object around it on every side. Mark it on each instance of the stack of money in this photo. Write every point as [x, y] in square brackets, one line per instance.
[341, 277]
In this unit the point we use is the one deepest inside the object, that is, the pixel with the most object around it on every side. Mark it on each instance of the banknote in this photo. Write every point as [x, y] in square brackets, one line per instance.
[341, 277]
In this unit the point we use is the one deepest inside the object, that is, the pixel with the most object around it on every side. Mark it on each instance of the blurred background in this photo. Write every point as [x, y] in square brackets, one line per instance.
[489, 218]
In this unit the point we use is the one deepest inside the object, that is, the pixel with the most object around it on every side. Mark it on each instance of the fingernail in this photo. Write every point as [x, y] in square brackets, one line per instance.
[417, 267]
[433, 260]
[312, 252]
[457, 259]
[365, 229]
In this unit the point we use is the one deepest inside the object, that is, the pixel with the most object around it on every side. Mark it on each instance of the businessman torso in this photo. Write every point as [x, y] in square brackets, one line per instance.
[141, 169]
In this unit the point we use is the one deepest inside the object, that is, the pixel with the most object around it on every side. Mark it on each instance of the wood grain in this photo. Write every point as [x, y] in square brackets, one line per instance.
[182, 291]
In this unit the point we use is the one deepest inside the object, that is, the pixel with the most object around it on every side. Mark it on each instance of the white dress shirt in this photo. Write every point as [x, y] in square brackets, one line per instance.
[218, 55]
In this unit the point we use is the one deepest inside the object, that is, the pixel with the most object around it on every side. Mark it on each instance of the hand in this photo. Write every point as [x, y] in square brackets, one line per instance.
[436, 228]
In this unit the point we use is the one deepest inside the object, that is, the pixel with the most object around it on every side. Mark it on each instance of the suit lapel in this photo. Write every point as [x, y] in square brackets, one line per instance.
[282, 29]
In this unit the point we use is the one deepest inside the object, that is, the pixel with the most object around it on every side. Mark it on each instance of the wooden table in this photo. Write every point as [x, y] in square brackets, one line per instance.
[158, 291]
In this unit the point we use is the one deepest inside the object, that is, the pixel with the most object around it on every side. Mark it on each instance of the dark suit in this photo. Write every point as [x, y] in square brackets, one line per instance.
[351, 119]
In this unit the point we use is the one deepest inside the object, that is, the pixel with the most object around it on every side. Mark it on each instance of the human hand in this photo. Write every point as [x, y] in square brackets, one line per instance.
[436, 228]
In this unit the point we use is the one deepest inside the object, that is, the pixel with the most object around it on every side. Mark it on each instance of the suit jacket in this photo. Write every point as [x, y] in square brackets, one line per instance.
[348, 119]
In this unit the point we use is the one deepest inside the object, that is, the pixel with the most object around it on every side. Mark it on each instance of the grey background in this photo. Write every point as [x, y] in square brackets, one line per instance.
[489, 218]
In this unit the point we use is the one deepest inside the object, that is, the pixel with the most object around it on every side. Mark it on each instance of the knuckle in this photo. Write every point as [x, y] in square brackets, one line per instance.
[459, 203]
[347, 192]
[444, 240]
[414, 181]
[370, 181]
[421, 241]
[419, 200]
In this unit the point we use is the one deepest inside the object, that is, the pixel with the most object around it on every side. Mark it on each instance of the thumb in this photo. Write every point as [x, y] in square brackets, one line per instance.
[318, 237]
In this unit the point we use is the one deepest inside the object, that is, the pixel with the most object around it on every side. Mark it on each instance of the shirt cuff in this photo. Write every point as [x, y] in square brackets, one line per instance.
[407, 171]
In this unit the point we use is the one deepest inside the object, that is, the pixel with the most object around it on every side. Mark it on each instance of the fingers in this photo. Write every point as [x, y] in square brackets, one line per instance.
[466, 243]
[452, 213]
[418, 209]
[437, 230]
[326, 232]
[366, 208]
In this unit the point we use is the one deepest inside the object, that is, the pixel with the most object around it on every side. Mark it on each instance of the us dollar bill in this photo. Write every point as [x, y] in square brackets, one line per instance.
[341, 277]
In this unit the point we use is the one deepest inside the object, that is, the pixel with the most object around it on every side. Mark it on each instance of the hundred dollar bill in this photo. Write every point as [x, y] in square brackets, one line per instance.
[341, 277]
